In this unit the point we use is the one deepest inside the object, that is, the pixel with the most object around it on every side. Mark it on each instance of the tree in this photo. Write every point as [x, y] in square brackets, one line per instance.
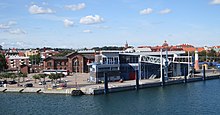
[36, 76]
[43, 76]
[60, 75]
[35, 59]
[5, 75]
[3, 62]
[54, 77]
[211, 53]
[23, 75]
[12, 76]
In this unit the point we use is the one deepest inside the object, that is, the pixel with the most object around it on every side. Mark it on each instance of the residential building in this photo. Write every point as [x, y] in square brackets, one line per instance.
[31, 52]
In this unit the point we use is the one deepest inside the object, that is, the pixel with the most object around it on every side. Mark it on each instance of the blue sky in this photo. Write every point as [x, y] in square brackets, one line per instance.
[91, 23]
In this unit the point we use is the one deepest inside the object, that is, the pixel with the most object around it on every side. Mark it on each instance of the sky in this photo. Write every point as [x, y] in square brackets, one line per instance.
[97, 23]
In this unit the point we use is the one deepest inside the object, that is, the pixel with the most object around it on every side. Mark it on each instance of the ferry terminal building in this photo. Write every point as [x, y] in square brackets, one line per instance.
[118, 65]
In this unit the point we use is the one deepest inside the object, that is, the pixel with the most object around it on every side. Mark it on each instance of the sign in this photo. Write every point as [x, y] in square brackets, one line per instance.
[152, 59]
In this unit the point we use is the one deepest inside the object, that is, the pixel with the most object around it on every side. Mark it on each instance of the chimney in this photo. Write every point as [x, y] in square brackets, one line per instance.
[196, 60]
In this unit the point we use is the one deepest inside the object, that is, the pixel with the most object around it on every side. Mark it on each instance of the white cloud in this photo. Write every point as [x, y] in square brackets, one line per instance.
[34, 9]
[102, 27]
[68, 23]
[165, 11]
[87, 31]
[12, 23]
[215, 2]
[16, 31]
[74, 7]
[146, 11]
[91, 19]
[7, 25]
[4, 26]
[44, 3]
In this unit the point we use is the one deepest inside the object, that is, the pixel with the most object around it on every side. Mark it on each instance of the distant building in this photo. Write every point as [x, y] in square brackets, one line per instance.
[16, 60]
[48, 53]
[31, 52]
[0, 47]
[216, 48]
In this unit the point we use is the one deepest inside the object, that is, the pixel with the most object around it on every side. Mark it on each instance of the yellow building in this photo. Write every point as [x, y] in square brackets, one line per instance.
[32, 52]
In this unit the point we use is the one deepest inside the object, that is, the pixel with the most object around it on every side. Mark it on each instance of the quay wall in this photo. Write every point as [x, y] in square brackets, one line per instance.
[89, 90]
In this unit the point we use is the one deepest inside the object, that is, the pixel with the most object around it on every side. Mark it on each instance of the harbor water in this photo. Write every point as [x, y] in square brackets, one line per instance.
[181, 99]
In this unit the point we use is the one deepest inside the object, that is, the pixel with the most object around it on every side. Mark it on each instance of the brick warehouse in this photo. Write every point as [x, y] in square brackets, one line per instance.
[73, 62]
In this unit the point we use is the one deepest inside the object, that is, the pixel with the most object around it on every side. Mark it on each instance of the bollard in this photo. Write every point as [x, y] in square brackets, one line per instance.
[163, 79]
[137, 80]
[185, 75]
[106, 83]
[204, 78]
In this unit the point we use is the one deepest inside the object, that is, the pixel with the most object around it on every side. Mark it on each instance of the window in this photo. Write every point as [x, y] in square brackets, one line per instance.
[110, 60]
[49, 64]
[104, 60]
[116, 60]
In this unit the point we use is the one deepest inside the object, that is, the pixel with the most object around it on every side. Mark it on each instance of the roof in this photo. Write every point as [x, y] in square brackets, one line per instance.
[86, 51]
[142, 49]
[59, 58]
[70, 54]
[192, 49]
[56, 58]
[89, 56]
[154, 53]
[18, 57]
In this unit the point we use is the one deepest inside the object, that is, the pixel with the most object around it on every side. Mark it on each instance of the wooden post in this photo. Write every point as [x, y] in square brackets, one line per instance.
[106, 83]
[137, 80]
[204, 78]
[163, 79]
[185, 75]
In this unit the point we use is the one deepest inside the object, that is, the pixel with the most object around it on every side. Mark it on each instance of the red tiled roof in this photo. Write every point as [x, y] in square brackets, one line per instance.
[21, 54]
[192, 49]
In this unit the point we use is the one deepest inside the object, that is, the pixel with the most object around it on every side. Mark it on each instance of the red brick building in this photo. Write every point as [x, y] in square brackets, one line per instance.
[73, 62]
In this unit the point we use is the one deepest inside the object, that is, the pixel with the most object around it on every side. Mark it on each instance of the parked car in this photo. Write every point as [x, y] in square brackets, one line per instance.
[42, 83]
[61, 83]
[12, 82]
[28, 85]
[1, 83]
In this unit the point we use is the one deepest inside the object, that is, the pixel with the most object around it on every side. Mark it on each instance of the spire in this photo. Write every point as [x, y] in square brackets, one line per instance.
[126, 45]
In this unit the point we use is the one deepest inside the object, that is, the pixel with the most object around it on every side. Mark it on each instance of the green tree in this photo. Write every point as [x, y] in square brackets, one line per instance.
[54, 77]
[211, 53]
[43, 76]
[35, 59]
[23, 75]
[5, 75]
[60, 75]
[36, 76]
[3, 62]
[12, 76]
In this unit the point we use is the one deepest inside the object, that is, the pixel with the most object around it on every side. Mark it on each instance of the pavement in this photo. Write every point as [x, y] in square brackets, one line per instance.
[73, 81]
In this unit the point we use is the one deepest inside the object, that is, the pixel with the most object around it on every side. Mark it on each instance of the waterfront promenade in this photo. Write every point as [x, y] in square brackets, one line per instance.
[79, 82]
